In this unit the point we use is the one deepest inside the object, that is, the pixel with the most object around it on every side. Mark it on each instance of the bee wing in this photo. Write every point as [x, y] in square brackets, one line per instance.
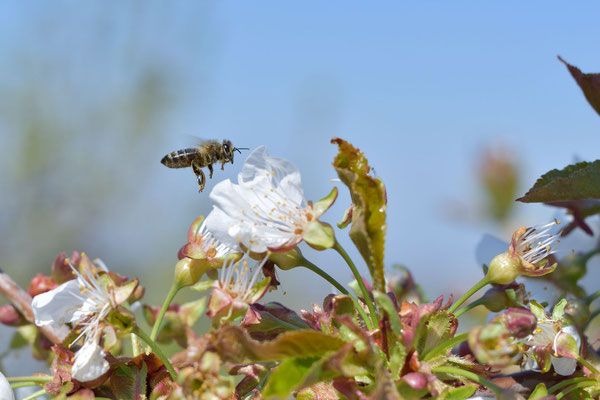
[195, 141]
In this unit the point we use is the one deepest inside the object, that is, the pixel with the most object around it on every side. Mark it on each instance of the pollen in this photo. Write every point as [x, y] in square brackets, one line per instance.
[298, 231]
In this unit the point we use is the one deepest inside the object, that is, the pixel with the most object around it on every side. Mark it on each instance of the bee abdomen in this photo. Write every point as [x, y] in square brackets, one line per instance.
[180, 158]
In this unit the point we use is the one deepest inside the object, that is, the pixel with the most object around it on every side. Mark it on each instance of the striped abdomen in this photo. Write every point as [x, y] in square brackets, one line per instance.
[183, 158]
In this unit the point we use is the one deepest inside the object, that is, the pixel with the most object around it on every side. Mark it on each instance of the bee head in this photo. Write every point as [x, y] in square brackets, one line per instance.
[228, 150]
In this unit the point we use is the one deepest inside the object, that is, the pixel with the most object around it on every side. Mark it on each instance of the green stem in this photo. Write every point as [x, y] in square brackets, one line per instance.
[24, 384]
[367, 296]
[592, 297]
[156, 328]
[41, 379]
[593, 315]
[568, 382]
[575, 387]
[142, 335]
[469, 375]
[35, 395]
[468, 307]
[588, 365]
[469, 293]
[307, 264]
[442, 347]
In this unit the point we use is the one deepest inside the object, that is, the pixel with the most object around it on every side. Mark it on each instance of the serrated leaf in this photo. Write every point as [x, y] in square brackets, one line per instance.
[579, 181]
[439, 328]
[369, 207]
[589, 84]
[235, 344]
[129, 382]
[287, 377]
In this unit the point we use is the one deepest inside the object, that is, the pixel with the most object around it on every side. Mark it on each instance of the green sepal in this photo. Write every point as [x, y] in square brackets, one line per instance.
[319, 235]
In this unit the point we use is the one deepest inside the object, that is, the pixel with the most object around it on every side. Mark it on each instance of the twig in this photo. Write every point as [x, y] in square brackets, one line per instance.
[21, 300]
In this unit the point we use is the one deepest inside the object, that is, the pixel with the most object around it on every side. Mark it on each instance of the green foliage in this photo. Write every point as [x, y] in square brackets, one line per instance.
[129, 382]
[369, 204]
[579, 181]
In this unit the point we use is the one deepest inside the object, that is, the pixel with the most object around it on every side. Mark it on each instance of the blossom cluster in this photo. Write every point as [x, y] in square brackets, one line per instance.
[375, 338]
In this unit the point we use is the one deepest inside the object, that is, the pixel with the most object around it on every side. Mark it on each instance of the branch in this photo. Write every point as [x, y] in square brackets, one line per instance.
[21, 300]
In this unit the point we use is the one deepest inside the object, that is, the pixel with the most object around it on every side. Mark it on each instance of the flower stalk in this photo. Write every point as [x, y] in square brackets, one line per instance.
[366, 295]
[170, 296]
[307, 264]
[484, 281]
[156, 349]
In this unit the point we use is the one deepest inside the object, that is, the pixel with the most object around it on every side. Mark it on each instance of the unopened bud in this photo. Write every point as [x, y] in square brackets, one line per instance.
[579, 310]
[503, 269]
[10, 316]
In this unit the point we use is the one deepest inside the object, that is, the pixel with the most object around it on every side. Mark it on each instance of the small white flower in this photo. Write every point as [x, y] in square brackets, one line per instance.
[535, 244]
[237, 287]
[266, 209]
[85, 302]
[544, 339]
[238, 278]
[6, 392]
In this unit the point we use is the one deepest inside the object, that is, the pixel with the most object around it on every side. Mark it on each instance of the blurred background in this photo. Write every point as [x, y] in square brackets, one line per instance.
[459, 108]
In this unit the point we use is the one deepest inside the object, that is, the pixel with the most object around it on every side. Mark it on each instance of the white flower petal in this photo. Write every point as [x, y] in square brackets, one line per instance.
[59, 305]
[563, 366]
[6, 392]
[89, 362]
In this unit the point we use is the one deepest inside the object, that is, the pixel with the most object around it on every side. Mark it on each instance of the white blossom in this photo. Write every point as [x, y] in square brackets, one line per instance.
[266, 209]
[6, 392]
[84, 302]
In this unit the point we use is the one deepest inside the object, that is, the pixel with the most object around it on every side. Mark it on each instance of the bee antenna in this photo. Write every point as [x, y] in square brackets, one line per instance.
[240, 148]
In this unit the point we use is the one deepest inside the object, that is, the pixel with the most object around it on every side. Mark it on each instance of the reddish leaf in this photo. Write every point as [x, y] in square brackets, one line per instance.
[589, 84]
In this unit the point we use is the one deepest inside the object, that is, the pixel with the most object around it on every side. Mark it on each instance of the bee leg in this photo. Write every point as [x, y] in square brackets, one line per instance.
[223, 165]
[210, 168]
[199, 175]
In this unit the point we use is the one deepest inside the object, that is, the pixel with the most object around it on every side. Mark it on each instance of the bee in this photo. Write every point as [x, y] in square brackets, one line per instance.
[205, 154]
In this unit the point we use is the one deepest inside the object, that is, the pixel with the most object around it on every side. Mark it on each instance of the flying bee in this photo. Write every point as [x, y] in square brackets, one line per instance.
[205, 154]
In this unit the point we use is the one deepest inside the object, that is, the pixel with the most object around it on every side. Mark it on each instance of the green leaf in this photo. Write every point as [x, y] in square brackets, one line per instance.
[287, 377]
[539, 391]
[579, 181]
[369, 207]
[234, 344]
[384, 302]
[461, 392]
[589, 84]
[439, 328]
[129, 382]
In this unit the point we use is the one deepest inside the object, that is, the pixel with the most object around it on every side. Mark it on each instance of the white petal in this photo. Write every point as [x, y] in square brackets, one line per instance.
[6, 392]
[218, 223]
[564, 366]
[265, 172]
[58, 305]
[89, 362]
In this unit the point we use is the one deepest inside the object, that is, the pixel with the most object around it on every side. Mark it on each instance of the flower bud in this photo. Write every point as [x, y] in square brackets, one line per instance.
[503, 269]
[10, 316]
